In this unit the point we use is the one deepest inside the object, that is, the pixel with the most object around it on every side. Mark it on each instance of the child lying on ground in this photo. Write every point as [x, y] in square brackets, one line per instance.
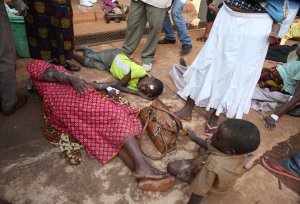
[223, 163]
[132, 77]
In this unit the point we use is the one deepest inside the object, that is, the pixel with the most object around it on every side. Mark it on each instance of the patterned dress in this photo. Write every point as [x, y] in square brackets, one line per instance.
[101, 125]
[49, 27]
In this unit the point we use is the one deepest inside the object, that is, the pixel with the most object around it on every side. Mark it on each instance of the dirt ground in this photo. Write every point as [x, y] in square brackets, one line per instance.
[33, 172]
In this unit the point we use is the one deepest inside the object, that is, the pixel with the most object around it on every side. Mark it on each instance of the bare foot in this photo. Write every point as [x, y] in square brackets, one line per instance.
[184, 114]
[80, 47]
[156, 185]
[150, 173]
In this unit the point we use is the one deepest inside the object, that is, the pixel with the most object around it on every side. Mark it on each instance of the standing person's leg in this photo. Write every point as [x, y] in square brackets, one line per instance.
[167, 26]
[136, 24]
[210, 17]
[10, 102]
[155, 19]
[179, 21]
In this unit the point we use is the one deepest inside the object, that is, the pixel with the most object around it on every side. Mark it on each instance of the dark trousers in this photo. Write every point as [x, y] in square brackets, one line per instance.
[8, 81]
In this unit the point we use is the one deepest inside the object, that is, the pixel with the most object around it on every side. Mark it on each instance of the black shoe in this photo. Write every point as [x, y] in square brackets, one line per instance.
[186, 48]
[166, 41]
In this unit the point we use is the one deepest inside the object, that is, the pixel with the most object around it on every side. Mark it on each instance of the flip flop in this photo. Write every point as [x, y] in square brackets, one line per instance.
[273, 164]
[156, 185]
[209, 131]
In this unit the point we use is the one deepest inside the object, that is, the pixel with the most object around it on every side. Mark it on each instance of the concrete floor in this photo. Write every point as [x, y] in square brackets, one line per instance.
[33, 172]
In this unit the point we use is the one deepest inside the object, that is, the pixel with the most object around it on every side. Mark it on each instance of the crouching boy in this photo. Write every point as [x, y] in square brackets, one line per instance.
[223, 162]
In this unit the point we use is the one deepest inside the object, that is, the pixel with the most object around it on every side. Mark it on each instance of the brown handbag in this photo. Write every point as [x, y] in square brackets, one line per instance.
[162, 127]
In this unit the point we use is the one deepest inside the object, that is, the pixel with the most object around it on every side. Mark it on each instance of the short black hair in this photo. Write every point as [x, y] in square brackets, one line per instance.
[158, 87]
[240, 135]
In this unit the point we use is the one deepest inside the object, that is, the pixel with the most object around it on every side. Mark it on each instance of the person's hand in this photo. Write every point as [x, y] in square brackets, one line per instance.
[145, 96]
[213, 8]
[270, 123]
[298, 51]
[273, 38]
[20, 6]
[79, 85]
[113, 91]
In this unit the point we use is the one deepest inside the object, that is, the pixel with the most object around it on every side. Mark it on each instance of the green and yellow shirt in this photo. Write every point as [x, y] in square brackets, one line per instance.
[122, 65]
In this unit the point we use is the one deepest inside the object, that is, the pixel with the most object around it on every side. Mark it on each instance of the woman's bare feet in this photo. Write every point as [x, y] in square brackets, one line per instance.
[186, 112]
[149, 172]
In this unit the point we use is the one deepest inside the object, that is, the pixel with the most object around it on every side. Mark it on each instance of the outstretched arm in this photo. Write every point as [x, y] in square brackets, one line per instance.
[270, 121]
[202, 143]
[54, 75]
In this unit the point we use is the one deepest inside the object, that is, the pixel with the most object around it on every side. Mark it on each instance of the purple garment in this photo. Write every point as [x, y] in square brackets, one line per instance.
[108, 5]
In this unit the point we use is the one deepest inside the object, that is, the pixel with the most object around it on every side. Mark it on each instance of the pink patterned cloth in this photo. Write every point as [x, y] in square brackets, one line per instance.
[100, 124]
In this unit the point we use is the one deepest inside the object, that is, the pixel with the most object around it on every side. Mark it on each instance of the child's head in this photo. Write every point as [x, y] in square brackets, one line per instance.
[151, 86]
[236, 136]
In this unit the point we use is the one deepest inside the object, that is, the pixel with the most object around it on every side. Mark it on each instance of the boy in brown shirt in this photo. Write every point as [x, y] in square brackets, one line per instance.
[223, 162]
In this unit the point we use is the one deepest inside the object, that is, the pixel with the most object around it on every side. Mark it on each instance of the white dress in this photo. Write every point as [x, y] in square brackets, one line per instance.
[224, 74]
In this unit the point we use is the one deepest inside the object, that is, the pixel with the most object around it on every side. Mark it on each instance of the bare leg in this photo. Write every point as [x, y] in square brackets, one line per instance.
[186, 112]
[135, 160]
[126, 159]
[209, 25]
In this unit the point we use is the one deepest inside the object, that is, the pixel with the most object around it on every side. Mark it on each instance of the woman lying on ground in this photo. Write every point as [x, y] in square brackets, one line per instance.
[104, 127]
[224, 74]
[285, 79]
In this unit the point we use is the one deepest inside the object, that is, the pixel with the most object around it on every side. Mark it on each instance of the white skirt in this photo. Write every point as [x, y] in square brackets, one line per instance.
[224, 74]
